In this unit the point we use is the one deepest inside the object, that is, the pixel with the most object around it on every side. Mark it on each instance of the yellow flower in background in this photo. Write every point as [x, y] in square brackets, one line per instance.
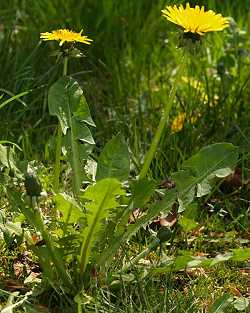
[178, 122]
[197, 85]
[65, 35]
[195, 20]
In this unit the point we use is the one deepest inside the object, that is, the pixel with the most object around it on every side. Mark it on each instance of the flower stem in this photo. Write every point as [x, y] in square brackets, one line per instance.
[141, 255]
[65, 66]
[164, 119]
[34, 217]
[59, 141]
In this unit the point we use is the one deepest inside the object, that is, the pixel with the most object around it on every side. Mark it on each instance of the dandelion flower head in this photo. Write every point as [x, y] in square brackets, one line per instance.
[195, 20]
[65, 35]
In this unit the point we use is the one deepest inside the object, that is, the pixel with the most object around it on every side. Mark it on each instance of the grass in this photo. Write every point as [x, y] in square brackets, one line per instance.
[113, 58]
[126, 75]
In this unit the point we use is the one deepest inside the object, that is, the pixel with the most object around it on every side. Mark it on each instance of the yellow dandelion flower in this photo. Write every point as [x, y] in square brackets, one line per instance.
[65, 35]
[178, 122]
[195, 20]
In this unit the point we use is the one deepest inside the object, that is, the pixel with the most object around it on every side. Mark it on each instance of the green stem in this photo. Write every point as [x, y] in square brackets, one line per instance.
[34, 217]
[75, 160]
[164, 119]
[65, 66]
[145, 252]
[58, 159]
[59, 141]
[79, 307]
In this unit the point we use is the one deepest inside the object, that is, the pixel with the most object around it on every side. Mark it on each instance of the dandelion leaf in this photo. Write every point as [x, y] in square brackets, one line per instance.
[101, 198]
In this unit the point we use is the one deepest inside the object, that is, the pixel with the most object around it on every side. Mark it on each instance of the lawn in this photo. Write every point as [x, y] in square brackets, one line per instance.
[124, 157]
